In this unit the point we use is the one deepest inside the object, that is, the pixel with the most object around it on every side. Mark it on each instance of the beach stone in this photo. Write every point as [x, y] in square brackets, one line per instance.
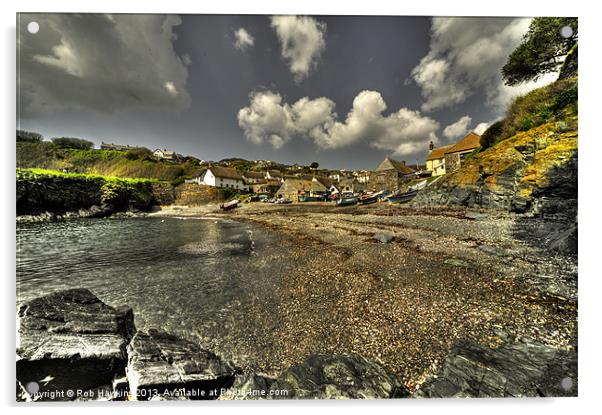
[71, 340]
[337, 377]
[384, 237]
[165, 366]
[519, 369]
[476, 215]
[493, 250]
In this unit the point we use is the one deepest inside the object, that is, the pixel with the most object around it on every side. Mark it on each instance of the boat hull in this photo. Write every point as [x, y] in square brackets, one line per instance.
[404, 197]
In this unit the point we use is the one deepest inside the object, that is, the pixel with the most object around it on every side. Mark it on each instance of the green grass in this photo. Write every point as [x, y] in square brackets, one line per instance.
[110, 163]
[553, 102]
[35, 173]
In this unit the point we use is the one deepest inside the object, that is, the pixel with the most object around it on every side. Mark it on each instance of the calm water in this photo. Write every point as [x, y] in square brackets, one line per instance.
[192, 277]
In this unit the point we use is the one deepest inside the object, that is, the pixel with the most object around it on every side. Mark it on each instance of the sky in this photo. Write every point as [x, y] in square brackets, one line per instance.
[344, 91]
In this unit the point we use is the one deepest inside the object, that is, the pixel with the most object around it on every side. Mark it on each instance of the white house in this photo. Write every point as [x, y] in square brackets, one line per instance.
[222, 177]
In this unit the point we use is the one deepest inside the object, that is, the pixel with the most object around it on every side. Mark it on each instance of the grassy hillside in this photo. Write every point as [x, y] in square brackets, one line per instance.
[531, 164]
[46, 155]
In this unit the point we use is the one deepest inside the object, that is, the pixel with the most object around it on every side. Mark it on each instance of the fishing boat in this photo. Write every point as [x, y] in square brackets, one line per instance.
[229, 205]
[347, 200]
[403, 197]
[305, 198]
[369, 199]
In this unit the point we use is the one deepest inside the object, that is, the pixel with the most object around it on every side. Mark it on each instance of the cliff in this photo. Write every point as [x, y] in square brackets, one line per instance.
[40, 191]
[532, 172]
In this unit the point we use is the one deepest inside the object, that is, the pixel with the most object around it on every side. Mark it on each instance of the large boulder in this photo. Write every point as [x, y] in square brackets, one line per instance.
[518, 369]
[337, 377]
[164, 366]
[69, 341]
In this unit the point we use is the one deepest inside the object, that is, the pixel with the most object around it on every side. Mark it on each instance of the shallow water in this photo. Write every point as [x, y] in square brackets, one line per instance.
[191, 277]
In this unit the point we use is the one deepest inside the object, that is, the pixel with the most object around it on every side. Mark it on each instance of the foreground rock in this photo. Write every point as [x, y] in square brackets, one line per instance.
[522, 369]
[336, 377]
[69, 341]
[163, 366]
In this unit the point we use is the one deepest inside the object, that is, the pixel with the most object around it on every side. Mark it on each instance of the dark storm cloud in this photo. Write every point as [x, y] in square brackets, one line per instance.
[101, 62]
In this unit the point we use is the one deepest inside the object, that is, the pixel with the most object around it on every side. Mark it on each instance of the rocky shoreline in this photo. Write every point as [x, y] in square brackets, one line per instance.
[72, 346]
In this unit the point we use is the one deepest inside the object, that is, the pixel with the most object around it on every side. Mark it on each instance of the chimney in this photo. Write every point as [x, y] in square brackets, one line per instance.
[431, 146]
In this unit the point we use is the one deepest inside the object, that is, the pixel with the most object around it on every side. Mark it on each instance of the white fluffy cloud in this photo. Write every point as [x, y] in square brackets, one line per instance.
[243, 39]
[467, 54]
[102, 62]
[481, 127]
[302, 42]
[459, 128]
[268, 119]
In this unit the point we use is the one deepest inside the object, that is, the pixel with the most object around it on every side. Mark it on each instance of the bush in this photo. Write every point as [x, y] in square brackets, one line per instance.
[139, 153]
[491, 134]
[546, 104]
[29, 136]
[72, 142]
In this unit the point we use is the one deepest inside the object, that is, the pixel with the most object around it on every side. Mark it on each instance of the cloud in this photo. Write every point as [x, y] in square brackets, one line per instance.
[466, 55]
[100, 62]
[481, 127]
[457, 129]
[244, 40]
[302, 42]
[269, 119]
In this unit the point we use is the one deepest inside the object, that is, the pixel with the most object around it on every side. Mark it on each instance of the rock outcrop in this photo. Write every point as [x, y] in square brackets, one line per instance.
[520, 369]
[533, 173]
[160, 364]
[86, 196]
[70, 340]
[337, 377]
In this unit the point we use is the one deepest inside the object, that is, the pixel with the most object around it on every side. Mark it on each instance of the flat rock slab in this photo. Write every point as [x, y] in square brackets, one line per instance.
[164, 366]
[520, 369]
[337, 377]
[71, 340]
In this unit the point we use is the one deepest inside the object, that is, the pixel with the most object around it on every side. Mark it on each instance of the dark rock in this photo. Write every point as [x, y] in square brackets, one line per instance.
[520, 369]
[384, 237]
[337, 377]
[160, 364]
[71, 340]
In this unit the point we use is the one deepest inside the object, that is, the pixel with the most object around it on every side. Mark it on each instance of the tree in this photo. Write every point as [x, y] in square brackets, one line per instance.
[28, 136]
[314, 165]
[72, 142]
[542, 49]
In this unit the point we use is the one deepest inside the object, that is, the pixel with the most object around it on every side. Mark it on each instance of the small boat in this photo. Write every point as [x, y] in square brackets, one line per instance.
[230, 205]
[403, 197]
[309, 198]
[347, 201]
[368, 199]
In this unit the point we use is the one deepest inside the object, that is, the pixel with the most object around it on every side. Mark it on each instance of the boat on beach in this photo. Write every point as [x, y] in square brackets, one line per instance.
[347, 201]
[229, 205]
[403, 197]
[369, 198]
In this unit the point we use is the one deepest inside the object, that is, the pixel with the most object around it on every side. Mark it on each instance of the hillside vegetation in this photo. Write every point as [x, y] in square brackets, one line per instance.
[127, 164]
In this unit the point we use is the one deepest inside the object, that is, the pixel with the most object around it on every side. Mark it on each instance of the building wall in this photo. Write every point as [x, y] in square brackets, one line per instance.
[210, 180]
[452, 162]
[384, 180]
[437, 166]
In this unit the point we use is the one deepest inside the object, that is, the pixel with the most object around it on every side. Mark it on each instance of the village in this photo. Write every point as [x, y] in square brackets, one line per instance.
[392, 180]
